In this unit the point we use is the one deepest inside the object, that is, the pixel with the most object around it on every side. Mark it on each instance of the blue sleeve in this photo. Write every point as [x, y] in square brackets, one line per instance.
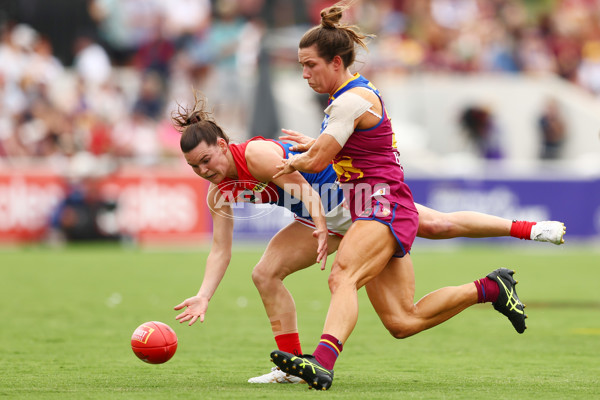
[323, 182]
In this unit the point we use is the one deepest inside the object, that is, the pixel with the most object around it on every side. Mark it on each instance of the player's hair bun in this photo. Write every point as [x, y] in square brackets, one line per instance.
[198, 112]
[194, 118]
[330, 17]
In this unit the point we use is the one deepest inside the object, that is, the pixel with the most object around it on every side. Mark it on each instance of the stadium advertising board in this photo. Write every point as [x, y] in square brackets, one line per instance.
[26, 203]
[147, 205]
[169, 206]
[575, 202]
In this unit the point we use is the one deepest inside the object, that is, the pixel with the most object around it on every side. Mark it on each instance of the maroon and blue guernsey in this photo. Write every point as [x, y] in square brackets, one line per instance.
[368, 167]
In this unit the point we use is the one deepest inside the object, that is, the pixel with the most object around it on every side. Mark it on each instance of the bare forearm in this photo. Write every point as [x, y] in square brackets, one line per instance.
[307, 163]
[318, 216]
[216, 266]
[312, 202]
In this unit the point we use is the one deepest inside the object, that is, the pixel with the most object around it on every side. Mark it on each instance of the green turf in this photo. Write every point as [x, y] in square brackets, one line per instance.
[68, 315]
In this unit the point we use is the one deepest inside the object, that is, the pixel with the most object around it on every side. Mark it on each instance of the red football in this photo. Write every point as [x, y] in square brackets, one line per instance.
[154, 342]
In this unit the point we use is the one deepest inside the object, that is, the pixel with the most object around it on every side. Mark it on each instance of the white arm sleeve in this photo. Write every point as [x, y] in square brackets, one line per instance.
[342, 113]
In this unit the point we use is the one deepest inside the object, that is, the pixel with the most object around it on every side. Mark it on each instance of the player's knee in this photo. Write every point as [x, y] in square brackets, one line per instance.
[333, 282]
[262, 275]
[338, 276]
[404, 323]
[400, 330]
[257, 274]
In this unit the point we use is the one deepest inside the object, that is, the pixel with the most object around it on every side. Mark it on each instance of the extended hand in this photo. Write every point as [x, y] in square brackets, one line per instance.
[321, 236]
[196, 308]
[286, 166]
[304, 142]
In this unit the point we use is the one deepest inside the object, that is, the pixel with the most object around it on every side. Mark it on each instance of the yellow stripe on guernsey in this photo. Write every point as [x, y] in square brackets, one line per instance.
[355, 76]
[333, 345]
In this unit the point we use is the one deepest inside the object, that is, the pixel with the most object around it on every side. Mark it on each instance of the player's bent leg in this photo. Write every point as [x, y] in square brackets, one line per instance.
[363, 253]
[291, 249]
[437, 225]
[392, 295]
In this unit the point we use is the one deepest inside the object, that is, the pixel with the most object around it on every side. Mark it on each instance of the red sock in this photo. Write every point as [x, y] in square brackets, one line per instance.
[289, 342]
[487, 290]
[521, 229]
[328, 350]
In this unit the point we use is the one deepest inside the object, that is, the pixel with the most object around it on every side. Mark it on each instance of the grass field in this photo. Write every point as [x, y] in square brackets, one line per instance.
[68, 315]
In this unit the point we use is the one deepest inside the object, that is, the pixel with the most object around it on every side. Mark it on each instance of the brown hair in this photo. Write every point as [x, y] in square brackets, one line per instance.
[196, 125]
[334, 38]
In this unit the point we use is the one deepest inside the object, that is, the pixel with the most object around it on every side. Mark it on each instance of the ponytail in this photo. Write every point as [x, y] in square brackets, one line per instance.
[196, 125]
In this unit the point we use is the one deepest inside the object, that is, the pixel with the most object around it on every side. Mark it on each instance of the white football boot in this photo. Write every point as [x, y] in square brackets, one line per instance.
[276, 376]
[549, 231]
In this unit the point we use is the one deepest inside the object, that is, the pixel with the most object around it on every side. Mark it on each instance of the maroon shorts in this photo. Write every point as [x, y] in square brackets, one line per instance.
[402, 221]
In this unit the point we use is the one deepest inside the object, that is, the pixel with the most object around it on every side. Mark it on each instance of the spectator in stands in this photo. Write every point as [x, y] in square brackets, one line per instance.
[184, 18]
[534, 55]
[552, 129]
[79, 217]
[91, 62]
[588, 71]
[42, 66]
[150, 98]
[223, 83]
[122, 25]
[135, 139]
[478, 122]
[155, 52]
[213, 45]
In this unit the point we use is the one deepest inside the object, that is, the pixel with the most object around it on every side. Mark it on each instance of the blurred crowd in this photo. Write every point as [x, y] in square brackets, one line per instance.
[114, 101]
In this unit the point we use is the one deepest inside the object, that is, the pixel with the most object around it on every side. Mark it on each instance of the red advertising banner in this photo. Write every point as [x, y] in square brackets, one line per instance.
[153, 204]
[26, 203]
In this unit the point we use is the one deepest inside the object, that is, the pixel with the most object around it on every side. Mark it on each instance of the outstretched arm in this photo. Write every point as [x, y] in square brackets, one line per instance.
[217, 261]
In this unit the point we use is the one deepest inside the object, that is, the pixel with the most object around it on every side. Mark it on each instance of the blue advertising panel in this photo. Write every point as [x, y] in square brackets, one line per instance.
[575, 202]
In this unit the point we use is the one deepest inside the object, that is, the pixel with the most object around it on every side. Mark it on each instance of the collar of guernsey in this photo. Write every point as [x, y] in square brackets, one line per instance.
[357, 80]
[245, 182]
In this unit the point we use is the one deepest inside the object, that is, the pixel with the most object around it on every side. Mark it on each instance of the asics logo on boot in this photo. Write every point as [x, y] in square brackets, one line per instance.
[306, 363]
[512, 301]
